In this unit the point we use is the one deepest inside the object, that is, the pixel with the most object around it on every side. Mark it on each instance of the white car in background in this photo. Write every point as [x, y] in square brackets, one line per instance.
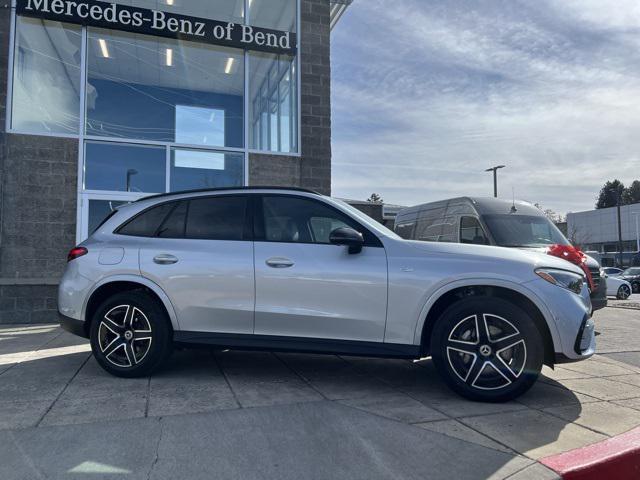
[617, 287]
[612, 271]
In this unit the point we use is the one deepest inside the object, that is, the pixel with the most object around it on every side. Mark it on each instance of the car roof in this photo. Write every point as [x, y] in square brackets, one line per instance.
[482, 205]
[226, 189]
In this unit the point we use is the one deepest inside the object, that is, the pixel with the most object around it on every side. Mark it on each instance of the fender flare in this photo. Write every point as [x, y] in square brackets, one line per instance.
[154, 287]
[488, 282]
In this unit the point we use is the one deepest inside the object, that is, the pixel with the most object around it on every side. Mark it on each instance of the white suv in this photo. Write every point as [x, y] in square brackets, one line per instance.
[292, 270]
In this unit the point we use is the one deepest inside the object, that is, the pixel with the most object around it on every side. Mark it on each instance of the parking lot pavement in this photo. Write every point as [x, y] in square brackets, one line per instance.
[266, 415]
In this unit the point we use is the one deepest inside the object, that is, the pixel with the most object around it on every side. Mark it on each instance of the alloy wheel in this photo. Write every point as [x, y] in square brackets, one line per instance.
[636, 287]
[623, 292]
[486, 351]
[124, 336]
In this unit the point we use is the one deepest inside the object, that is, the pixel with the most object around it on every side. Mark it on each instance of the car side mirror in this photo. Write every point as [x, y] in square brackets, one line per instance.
[349, 237]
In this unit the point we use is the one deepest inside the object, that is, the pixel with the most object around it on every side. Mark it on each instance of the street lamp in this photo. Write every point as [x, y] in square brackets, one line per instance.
[131, 172]
[495, 178]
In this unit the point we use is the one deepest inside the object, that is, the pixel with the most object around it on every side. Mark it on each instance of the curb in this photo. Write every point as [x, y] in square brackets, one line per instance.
[617, 457]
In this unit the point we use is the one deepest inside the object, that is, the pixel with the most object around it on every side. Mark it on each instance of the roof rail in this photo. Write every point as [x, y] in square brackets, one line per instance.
[223, 189]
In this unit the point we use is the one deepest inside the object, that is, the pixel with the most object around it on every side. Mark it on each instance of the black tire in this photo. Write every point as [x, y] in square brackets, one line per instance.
[131, 324]
[623, 292]
[483, 367]
[636, 287]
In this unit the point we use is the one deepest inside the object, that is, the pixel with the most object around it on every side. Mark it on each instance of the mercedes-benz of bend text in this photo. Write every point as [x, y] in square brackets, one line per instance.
[292, 270]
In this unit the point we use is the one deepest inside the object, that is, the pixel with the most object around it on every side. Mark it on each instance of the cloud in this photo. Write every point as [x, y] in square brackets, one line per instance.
[427, 94]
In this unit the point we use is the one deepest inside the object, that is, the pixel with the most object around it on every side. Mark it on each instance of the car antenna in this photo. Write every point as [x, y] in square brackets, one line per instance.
[513, 197]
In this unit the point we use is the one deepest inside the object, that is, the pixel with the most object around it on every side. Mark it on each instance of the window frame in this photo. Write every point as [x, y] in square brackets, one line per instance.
[84, 196]
[259, 233]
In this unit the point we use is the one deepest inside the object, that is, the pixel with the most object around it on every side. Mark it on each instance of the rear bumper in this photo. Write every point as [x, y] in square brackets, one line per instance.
[72, 325]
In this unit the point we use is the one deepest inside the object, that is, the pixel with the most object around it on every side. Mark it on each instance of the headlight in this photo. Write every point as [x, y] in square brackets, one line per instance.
[562, 278]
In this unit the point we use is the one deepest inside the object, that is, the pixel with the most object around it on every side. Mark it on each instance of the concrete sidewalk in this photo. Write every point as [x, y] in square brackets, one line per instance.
[263, 415]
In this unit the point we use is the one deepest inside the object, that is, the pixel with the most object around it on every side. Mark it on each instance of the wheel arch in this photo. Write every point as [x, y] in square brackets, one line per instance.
[452, 293]
[123, 283]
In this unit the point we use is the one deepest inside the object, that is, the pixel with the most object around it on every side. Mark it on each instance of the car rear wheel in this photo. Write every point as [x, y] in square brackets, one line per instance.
[131, 334]
[487, 349]
[624, 292]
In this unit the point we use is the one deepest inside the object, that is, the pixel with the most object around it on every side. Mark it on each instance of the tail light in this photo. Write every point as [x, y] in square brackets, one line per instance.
[576, 256]
[76, 252]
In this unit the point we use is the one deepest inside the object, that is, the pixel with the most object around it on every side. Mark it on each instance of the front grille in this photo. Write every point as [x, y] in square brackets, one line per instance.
[595, 274]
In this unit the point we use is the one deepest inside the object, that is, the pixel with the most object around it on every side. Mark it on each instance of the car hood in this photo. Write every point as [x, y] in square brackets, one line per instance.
[591, 262]
[531, 257]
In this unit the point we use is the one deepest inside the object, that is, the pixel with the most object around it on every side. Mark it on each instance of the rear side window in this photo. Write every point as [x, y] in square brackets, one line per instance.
[217, 218]
[146, 224]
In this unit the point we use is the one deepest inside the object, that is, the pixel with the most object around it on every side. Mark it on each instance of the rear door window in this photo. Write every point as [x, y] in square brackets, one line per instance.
[173, 225]
[218, 218]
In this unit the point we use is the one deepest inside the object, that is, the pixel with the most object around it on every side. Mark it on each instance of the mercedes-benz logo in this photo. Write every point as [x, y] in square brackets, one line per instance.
[485, 350]
[128, 334]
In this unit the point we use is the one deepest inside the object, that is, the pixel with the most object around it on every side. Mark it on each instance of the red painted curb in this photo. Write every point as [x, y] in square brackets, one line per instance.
[615, 458]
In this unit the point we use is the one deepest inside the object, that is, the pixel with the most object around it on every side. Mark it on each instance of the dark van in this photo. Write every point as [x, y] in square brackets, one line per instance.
[490, 221]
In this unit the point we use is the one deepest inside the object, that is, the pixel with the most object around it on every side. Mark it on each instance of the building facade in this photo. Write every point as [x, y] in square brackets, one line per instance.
[108, 102]
[597, 231]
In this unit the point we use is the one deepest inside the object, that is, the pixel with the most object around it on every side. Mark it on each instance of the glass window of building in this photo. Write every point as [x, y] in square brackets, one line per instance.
[225, 10]
[151, 88]
[125, 168]
[275, 14]
[273, 103]
[46, 77]
[192, 169]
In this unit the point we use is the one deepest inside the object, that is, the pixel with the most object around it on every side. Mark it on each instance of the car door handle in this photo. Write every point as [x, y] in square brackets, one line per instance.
[279, 262]
[165, 259]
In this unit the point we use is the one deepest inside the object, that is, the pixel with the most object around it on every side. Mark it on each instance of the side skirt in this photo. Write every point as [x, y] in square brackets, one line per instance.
[297, 344]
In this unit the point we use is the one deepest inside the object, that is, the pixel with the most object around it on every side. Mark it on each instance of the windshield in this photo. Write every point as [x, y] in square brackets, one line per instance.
[631, 271]
[524, 231]
[366, 219]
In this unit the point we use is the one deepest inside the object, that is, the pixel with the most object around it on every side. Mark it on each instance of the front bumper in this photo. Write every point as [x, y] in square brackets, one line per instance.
[72, 325]
[599, 296]
[569, 319]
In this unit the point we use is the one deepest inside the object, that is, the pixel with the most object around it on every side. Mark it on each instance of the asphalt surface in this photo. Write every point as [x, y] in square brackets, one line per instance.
[245, 415]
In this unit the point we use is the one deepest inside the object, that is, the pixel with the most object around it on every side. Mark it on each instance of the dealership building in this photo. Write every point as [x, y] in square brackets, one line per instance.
[107, 102]
[596, 231]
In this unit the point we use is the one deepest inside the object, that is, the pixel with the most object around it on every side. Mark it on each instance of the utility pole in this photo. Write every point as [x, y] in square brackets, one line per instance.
[495, 178]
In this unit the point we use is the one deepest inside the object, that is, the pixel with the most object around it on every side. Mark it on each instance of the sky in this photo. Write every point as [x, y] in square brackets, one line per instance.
[427, 94]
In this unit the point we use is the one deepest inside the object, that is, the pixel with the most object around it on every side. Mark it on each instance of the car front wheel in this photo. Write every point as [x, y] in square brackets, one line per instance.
[487, 349]
[624, 292]
[131, 334]
[636, 287]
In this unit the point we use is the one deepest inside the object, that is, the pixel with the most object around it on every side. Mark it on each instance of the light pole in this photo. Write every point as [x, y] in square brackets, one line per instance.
[495, 178]
[131, 172]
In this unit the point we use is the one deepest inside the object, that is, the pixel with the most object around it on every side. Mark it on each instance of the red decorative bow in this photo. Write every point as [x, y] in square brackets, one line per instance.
[574, 255]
